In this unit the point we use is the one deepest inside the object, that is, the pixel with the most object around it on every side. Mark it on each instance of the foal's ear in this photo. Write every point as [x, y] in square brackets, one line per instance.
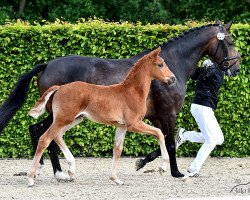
[155, 53]
[228, 25]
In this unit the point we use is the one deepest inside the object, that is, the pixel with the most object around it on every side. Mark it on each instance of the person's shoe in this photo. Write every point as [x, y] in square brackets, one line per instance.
[179, 139]
[191, 173]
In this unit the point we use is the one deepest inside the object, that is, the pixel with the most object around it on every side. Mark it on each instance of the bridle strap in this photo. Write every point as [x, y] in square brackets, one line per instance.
[224, 64]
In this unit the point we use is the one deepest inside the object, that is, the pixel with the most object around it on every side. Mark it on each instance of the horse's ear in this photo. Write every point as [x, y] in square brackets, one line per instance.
[228, 25]
[155, 53]
[217, 21]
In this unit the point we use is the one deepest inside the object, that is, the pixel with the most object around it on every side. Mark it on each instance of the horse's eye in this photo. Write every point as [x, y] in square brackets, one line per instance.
[160, 65]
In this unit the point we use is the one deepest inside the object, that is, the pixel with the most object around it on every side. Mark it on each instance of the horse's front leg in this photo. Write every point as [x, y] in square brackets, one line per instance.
[168, 124]
[36, 131]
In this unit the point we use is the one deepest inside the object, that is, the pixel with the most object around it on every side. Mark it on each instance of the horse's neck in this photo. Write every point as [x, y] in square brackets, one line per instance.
[183, 54]
[138, 81]
[183, 58]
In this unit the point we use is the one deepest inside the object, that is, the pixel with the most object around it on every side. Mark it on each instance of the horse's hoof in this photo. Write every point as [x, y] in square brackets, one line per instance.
[139, 164]
[62, 177]
[177, 174]
[117, 181]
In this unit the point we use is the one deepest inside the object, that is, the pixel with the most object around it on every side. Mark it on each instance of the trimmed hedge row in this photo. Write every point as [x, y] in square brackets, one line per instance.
[23, 45]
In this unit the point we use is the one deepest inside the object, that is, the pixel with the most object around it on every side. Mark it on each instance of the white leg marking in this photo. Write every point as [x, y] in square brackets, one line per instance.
[164, 154]
[117, 150]
[61, 177]
[68, 155]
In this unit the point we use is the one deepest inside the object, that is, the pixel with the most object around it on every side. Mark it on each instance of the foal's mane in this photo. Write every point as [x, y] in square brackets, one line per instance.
[137, 67]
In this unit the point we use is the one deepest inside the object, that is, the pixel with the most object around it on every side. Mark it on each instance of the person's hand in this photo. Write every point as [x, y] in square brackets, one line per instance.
[207, 64]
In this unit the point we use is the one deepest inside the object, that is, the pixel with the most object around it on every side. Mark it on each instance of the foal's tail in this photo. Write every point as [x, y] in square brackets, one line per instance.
[40, 106]
[17, 96]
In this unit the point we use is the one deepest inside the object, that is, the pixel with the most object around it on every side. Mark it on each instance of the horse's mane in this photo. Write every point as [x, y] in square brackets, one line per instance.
[175, 38]
[186, 33]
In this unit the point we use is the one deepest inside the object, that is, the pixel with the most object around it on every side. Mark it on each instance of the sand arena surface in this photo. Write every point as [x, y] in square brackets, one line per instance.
[220, 177]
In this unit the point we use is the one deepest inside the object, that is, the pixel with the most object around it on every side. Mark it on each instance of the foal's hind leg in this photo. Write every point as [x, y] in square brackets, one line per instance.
[117, 150]
[36, 131]
[43, 143]
[145, 128]
[67, 154]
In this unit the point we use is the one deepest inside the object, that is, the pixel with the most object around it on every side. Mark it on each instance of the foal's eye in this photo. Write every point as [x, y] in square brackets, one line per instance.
[160, 65]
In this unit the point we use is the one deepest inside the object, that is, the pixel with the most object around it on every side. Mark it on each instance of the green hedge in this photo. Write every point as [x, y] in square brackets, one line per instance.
[23, 45]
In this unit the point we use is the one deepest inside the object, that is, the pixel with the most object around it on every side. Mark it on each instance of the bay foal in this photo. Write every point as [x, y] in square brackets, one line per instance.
[122, 105]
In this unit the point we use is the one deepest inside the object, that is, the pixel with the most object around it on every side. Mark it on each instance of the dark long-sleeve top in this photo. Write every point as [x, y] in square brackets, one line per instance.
[208, 84]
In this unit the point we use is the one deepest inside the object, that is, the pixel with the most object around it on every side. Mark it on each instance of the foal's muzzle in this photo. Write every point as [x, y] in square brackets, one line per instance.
[170, 80]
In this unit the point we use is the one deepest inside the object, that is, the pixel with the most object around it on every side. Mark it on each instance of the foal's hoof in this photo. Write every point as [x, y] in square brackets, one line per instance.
[186, 179]
[39, 169]
[31, 182]
[71, 175]
[62, 177]
[139, 164]
[117, 181]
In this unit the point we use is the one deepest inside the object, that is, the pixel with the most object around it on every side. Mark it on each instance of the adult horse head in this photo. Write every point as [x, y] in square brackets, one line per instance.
[181, 54]
[223, 51]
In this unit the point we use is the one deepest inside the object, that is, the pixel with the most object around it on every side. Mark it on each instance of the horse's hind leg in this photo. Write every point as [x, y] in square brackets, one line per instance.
[117, 150]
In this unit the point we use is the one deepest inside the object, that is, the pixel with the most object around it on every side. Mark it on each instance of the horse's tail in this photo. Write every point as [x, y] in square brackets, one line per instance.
[17, 96]
[40, 106]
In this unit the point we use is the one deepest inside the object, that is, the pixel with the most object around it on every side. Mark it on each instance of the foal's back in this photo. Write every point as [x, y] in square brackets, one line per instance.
[103, 104]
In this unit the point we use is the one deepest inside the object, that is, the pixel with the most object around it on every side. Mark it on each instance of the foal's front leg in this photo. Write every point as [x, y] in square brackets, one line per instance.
[117, 150]
[145, 128]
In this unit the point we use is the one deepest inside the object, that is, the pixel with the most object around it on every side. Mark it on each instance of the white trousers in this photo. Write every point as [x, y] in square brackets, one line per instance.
[210, 135]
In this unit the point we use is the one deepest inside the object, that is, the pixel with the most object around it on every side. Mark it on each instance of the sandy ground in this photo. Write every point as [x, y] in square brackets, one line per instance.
[220, 177]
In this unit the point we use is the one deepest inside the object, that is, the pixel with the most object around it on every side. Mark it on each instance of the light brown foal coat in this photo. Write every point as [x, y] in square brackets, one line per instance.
[122, 105]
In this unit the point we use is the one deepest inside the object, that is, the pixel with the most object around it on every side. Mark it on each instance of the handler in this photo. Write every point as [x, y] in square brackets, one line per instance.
[209, 80]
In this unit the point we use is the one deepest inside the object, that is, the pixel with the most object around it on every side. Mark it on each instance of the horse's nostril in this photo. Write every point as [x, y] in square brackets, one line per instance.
[237, 71]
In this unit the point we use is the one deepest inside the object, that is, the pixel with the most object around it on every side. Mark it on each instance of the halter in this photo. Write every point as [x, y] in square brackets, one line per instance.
[224, 64]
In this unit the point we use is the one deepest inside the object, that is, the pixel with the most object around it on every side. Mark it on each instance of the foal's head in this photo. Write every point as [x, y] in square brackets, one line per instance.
[158, 68]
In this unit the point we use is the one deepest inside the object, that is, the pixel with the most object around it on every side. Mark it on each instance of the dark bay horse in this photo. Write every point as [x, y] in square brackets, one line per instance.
[122, 105]
[181, 54]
